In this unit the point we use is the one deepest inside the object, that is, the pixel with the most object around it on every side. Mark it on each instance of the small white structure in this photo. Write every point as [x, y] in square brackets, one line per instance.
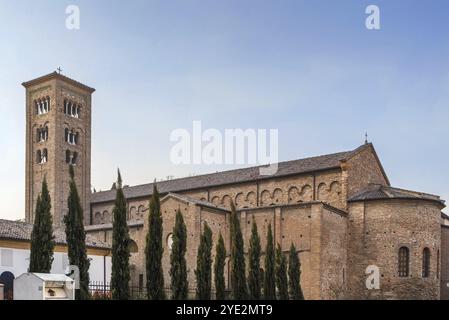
[15, 244]
[44, 286]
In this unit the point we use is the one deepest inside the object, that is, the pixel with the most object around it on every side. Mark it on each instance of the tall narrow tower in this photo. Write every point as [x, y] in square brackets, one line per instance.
[58, 133]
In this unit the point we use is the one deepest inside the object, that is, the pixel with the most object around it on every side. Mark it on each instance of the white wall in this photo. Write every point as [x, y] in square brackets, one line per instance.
[21, 260]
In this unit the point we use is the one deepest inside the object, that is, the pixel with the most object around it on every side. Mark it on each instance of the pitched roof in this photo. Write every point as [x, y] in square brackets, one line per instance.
[108, 226]
[286, 168]
[17, 230]
[194, 201]
[379, 192]
[55, 75]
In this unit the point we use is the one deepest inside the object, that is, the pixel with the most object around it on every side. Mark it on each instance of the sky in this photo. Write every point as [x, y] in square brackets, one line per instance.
[310, 69]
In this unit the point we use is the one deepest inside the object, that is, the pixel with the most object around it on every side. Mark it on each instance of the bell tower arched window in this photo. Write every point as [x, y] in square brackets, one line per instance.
[71, 157]
[71, 136]
[42, 134]
[426, 263]
[403, 262]
[71, 109]
[42, 106]
[42, 156]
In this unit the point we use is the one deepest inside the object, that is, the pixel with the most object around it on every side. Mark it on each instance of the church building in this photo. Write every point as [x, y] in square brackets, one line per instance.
[339, 209]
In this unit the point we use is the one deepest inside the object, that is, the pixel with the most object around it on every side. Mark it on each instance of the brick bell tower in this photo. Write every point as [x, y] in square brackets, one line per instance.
[58, 133]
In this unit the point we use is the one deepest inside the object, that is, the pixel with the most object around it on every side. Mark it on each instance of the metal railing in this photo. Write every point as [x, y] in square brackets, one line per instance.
[102, 291]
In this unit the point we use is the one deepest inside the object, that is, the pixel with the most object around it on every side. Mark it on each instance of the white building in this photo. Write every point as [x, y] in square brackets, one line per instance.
[15, 254]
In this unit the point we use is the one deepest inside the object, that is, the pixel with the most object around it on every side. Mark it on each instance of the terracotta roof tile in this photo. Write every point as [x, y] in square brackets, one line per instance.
[378, 192]
[17, 230]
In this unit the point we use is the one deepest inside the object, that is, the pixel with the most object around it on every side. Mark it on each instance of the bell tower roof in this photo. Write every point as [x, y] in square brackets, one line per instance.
[56, 75]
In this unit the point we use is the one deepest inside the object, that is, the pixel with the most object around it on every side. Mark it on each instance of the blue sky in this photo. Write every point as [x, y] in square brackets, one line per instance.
[308, 68]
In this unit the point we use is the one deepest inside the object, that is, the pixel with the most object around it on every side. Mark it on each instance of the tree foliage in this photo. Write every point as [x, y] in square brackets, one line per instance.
[154, 250]
[254, 277]
[120, 276]
[281, 274]
[76, 238]
[178, 265]
[294, 275]
[203, 270]
[219, 265]
[269, 287]
[42, 239]
[238, 277]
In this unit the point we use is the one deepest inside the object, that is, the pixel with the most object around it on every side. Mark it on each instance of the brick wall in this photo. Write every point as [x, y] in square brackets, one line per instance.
[444, 263]
[377, 229]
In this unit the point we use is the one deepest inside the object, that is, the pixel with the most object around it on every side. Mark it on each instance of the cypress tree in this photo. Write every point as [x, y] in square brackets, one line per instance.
[76, 238]
[281, 274]
[269, 285]
[154, 250]
[178, 264]
[120, 276]
[219, 264]
[254, 284]
[238, 278]
[203, 270]
[294, 275]
[42, 239]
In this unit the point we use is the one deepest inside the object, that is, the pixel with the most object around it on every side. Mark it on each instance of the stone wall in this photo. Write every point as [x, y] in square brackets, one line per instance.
[333, 254]
[377, 229]
[360, 170]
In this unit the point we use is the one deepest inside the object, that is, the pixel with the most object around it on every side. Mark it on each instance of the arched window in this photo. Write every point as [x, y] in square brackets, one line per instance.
[41, 156]
[170, 241]
[98, 218]
[38, 156]
[71, 157]
[106, 217]
[71, 136]
[426, 263]
[7, 279]
[74, 157]
[42, 134]
[403, 262]
[132, 246]
[42, 105]
[44, 156]
[71, 109]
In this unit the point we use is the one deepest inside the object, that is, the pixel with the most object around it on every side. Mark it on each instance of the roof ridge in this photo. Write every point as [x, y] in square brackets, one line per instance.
[54, 74]
[388, 192]
[415, 192]
[195, 201]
